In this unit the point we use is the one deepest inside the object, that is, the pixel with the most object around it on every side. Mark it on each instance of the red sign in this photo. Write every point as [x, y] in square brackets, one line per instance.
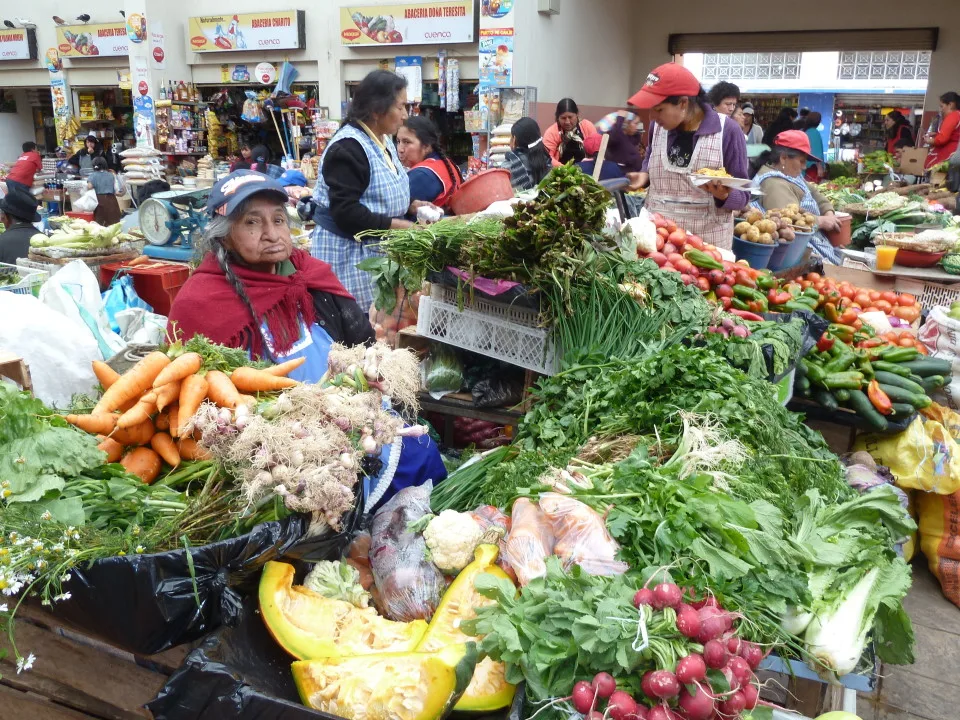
[143, 88]
[158, 54]
[198, 41]
[350, 34]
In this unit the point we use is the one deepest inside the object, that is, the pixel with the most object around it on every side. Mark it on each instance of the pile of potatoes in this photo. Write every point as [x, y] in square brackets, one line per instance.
[766, 229]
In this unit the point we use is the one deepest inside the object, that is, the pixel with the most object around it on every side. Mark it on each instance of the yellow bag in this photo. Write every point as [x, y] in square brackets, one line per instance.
[940, 539]
[923, 457]
[910, 546]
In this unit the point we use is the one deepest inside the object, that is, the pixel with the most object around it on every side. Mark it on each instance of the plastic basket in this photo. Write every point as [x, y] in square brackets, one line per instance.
[927, 293]
[504, 311]
[487, 334]
[50, 268]
[30, 280]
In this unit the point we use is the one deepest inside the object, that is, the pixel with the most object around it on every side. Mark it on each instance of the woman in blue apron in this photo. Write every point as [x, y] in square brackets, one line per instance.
[252, 290]
[361, 183]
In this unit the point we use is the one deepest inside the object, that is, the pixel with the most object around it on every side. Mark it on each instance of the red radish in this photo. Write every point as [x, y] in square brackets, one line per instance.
[640, 714]
[621, 705]
[669, 268]
[713, 623]
[733, 705]
[674, 258]
[732, 679]
[662, 712]
[691, 669]
[686, 279]
[595, 715]
[752, 653]
[697, 707]
[751, 695]
[734, 644]
[714, 654]
[669, 249]
[741, 669]
[583, 697]
[694, 242]
[667, 594]
[694, 270]
[644, 596]
[662, 683]
[677, 237]
[688, 621]
[604, 684]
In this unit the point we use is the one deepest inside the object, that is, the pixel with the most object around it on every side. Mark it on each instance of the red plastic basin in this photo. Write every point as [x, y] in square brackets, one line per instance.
[157, 281]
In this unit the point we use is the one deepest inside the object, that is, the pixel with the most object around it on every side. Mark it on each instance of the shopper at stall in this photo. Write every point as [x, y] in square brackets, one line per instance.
[812, 129]
[362, 184]
[83, 159]
[609, 170]
[18, 212]
[434, 177]
[945, 141]
[25, 169]
[624, 146]
[564, 139]
[724, 96]
[781, 182]
[244, 162]
[527, 159]
[104, 184]
[687, 135]
[752, 131]
[899, 132]
[783, 121]
[279, 303]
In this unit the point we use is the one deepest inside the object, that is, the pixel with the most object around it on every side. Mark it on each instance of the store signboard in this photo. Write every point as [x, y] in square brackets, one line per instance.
[423, 23]
[18, 44]
[106, 40]
[278, 30]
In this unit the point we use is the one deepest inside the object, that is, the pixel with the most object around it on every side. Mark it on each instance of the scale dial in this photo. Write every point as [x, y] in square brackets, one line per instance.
[155, 216]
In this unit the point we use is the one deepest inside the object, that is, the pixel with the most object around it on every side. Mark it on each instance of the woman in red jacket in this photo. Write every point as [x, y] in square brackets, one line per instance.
[944, 142]
[434, 177]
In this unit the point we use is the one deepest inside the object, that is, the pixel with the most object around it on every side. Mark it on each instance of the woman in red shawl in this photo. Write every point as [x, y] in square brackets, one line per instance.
[252, 290]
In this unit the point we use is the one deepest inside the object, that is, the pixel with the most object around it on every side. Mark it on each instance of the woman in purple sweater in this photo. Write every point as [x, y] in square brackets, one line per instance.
[687, 136]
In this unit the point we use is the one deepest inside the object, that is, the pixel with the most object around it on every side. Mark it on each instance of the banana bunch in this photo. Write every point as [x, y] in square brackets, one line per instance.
[214, 134]
[72, 126]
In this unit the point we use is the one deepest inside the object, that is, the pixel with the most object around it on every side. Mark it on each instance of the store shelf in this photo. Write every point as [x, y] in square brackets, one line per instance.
[201, 152]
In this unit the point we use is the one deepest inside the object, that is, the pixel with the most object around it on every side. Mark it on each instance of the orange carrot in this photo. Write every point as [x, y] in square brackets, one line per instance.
[112, 448]
[165, 448]
[145, 407]
[190, 449]
[142, 462]
[167, 394]
[248, 379]
[192, 392]
[95, 424]
[186, 364]
[136, 435]
[140, 260]
[133, 383]
[284, 369]
[173, 413]
[162, 421]
[105, 374]
[222, 390]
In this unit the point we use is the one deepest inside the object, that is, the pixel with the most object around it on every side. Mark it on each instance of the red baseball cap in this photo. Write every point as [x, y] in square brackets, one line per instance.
[663, 82]
[796, 140]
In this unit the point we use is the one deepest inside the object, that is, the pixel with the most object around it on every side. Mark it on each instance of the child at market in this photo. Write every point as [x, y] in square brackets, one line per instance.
[104, 184]
[23, 171]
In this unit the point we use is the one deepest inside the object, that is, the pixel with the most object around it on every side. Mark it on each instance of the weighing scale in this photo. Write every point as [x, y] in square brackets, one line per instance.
[172, 221]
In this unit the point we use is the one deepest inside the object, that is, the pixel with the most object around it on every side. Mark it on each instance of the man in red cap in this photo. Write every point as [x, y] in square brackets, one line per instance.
[687, 136]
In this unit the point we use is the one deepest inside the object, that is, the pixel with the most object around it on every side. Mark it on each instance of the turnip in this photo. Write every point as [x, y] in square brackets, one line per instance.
[714, 654]
[691, 669]
[751, 695]
[741, 669]
[697, 707]
[583, 697]
[733, 705]
[752, 653]
[643, 596]
[667, 595]
[621, 705]
[604, 684]
[688, 621]
[661, 684]
[662, 712]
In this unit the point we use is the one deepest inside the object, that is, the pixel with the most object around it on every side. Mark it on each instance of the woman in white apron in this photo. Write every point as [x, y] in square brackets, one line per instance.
[687, 136]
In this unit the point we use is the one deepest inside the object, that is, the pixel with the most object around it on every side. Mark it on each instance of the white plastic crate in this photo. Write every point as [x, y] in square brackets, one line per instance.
[49, 268]
[929, 294]
[30, 280]
[489, 335]
[504, 311]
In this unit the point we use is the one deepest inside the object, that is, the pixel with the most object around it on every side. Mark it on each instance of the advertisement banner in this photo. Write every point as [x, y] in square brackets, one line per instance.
[278, 30]
[157, 45]
[59, 94]
[106, 40]
[136, 28]
[18, 44]
[407, 23]
[496, 57]
[144, 119]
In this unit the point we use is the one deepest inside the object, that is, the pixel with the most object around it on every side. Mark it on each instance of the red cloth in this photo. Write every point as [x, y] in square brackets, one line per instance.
[25, 168]
[450, 183]
[209, 305]
[947, 140]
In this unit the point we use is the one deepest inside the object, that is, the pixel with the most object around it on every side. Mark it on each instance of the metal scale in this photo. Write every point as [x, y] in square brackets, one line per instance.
[171, 222]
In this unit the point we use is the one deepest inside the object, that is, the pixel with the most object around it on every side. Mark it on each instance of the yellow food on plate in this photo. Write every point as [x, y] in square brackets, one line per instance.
[719, 172]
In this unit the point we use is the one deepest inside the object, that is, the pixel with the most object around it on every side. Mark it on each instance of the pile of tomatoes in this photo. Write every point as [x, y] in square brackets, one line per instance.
[850, 300]
[672, 242]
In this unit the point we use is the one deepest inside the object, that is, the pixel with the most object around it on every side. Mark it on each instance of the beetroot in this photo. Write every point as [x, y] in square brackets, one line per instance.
[661, 684]
[604, 684]
[714, 654]
[621, 705]
[752, 653]
[697, 707]
[751, 695]
[667, 595]
[644, 596]
[688, 621]
[733, 705]
[691, 669]
[583, 697]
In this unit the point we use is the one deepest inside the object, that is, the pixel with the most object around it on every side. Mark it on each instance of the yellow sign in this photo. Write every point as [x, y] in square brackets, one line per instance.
[107, 40]
[278, 30]
[422, 23]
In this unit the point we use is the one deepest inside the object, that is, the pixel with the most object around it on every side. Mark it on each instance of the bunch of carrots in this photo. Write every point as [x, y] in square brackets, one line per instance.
[143, 418]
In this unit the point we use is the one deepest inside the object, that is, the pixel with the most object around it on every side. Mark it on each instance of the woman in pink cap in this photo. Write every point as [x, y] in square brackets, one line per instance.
[687, 136]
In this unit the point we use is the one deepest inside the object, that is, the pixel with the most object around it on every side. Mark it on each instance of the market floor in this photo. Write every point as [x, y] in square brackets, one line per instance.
[930, 688]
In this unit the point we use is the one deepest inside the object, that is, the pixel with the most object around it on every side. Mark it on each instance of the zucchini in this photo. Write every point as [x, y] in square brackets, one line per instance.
[902, 410]
[929, 366]
[886, 378]
[895, 368]
[864, 408]
[934, 382]
[802, 385]
[842, 395]
[825, 399]
[898, 394]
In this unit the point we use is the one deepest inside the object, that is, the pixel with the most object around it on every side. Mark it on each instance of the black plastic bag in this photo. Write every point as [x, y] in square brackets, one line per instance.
[814, 326]
[147, 603]
[497, 392]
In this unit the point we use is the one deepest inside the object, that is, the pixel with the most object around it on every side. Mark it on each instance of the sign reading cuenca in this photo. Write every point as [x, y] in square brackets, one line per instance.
[16, 45]
[407, 23]
[106, 40]
[278, 30]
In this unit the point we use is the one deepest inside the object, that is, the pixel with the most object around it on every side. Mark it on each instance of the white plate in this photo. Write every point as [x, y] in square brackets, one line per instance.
[733, 182]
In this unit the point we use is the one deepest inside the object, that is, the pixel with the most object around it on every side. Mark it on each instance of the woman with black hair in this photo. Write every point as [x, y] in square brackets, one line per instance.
[564, 139]
[434, 177]
[724, 96]
[527, 160]
[687, 136]
[945, 141]
[362, 184]
[783, 122]
[899, 132]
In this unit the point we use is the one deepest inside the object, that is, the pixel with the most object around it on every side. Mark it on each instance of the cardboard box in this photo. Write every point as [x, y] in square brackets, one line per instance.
[912, 161]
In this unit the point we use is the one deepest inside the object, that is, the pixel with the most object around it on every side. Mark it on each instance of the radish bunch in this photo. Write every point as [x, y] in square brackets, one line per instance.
[601, 699]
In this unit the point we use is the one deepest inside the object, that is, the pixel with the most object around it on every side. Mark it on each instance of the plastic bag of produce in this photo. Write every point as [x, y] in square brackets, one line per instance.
[529, 542]
[497, 392]
[923, 457]
[582, 537]
[442, 372]
[941, 335]
[388, 322]
[940, 539]
[409, 584]
[121, 296]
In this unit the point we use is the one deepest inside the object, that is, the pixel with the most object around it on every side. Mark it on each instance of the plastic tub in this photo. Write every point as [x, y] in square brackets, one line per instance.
[795, 250]
[757, 254]
[481, 191]
[88, 216]
[156, 282]
[776, 259]
[841, 237]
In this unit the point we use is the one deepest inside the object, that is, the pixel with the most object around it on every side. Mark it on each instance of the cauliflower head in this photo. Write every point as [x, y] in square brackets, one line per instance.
[451, 538]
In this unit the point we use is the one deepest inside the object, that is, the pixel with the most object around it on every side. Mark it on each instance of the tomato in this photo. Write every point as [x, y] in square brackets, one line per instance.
[724, 291]
[669, 268]
[921, 348]
[675, 258]
[870, 309]
[659, 258]
[862, 299]
[715, 254]
[907, 341]
[671, 226]
[727, 265]
[694, 242]
[813, 276]
[677, 237]
[847, 292]
[805, 284]
[907, 300]
[683, 265]
[874, 295]
[883, 305]
[660, 243]
[703, 284]
[910, 314]
[889, 296]
[669, 249]
[662, 232]
[658, 220]
[848, 316]
[687, 279]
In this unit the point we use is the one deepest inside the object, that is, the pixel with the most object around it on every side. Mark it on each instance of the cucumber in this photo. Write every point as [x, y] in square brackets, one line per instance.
[917, 379]
[825, 399]
[902, 410]
[898, 394]
[802, 385]
[934, 382]
[929, 366]
[865, 409]
[895, 368]
[801, 370]
[842, 395]
[886, 378]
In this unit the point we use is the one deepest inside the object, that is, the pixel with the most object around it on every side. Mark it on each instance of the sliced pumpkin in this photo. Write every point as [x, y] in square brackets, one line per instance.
[389, 686]
[488, 689]
[307, 625]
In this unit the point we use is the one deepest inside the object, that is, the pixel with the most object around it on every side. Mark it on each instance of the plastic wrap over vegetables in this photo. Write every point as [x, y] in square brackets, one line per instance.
[529, 542]
[582, 537]
[409, 584]
[492, 518]
[442, 372]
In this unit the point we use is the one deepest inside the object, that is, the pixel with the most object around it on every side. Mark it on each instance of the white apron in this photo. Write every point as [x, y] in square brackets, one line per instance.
[674, 196]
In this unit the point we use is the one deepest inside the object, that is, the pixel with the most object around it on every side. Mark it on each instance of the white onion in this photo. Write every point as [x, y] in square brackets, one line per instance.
[296, 458]
[368, 445]
[347, 461]
[283, 403]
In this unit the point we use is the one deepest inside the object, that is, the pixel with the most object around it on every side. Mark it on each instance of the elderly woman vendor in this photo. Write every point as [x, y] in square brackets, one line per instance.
[254, 291]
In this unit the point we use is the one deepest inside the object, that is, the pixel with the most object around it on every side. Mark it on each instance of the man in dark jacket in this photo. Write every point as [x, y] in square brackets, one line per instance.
[18, 210]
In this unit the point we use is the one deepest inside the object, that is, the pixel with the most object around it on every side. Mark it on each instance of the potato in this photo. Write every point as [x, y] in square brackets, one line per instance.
[741, 228]
[809, 218]
[753, 215]
[753, 234]
[787, 234]
[765, 238]
[768, 226]
[792, 208]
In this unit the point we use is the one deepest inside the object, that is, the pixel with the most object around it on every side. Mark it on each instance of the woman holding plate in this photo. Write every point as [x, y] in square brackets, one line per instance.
[688, 136]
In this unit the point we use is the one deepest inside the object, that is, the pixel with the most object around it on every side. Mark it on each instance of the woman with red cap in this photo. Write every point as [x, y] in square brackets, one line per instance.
[687, 136]
[782, 183]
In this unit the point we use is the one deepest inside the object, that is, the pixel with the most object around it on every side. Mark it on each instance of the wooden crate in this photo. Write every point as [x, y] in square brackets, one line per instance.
[12, 366]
